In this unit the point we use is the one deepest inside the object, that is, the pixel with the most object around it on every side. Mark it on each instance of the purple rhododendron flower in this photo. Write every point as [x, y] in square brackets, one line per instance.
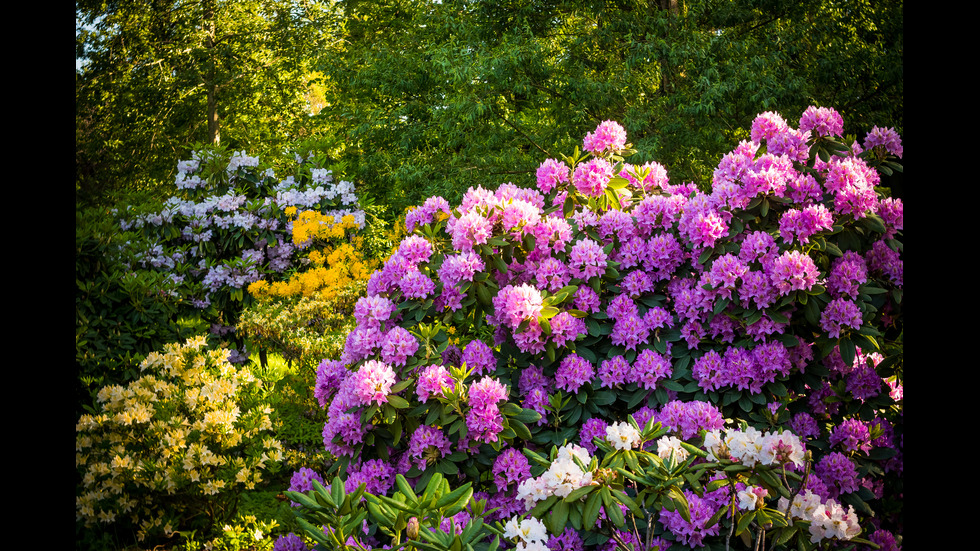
[478, 356]
[885, 138]
[591, 429]
[398, 346]
[573, 372]
[614, 371]
[510, 467]
[838, 314]
[426, 446]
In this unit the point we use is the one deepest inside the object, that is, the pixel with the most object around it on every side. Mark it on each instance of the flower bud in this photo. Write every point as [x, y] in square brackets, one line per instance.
[413, 528]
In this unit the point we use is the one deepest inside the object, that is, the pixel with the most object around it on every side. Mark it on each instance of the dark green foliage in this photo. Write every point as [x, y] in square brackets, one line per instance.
[120, 315]
[432, 98]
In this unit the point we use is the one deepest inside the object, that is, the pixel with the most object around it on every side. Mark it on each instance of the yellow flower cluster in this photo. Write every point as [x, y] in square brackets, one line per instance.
[187, 426]
[311, 225]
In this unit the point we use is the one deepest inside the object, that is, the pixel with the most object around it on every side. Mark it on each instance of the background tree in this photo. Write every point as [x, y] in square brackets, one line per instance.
[430, 98]
[157, 77]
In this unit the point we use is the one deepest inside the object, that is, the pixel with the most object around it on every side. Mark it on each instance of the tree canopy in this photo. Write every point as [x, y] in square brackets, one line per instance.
[158, 77]
[434, 97]
[431, 97]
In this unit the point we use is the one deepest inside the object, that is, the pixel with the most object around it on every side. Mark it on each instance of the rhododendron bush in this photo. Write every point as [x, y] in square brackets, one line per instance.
[613, 358]
[232, 223]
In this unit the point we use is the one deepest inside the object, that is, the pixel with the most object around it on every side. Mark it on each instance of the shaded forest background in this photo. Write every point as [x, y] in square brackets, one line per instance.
[410, 98]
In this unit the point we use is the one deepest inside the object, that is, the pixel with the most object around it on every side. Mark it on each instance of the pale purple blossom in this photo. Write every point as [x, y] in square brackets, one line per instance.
[587, 259]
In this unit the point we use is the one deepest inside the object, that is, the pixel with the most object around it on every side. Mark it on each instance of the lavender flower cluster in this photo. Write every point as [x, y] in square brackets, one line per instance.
[227, 226]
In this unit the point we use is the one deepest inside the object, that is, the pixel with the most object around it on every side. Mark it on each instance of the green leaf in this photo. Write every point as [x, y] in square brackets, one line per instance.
[590, 515]
[520, 429]
[744, 522]
[397, 401]
[337, 493]
[558, 518]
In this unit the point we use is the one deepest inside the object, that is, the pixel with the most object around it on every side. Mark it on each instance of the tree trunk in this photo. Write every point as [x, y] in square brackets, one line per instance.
[214, 130]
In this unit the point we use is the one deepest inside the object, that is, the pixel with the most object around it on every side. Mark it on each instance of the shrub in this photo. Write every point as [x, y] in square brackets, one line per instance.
[306, 316]
[121, 315]
[230, 225]
[170, 450]
[539, 319]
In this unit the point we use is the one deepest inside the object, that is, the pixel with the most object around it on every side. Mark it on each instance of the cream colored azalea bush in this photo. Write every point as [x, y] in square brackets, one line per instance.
[175, 443]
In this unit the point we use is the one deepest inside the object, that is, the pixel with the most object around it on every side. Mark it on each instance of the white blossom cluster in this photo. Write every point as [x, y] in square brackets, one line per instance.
[828, 519]
[530, 533]
[563, 476]
[752, 447]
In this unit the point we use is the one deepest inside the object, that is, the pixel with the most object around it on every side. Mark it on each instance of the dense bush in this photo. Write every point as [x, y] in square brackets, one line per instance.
[700, 366]
[171, 450]
[230, 225]
[306, 316]
[121, 315]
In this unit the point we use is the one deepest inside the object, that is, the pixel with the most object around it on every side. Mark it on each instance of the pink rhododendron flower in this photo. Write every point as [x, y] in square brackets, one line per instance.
[793, 271]
[372, 382]
[592, 177]
[608, 136]
[550, 174]
[822, 121]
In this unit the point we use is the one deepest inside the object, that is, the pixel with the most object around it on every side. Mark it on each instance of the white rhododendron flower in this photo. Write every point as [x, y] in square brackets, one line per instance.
[622, 436]
[527, 530]
[671, 446]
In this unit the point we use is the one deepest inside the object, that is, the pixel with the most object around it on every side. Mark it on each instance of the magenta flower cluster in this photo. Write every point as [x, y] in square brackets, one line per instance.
[670, 303]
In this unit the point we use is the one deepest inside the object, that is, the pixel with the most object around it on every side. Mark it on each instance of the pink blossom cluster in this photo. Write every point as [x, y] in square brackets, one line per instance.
[822, 121]
[608, 136]
[551, 174]
[591, 177]
[434, 380]
[483, 419]
[372, 382]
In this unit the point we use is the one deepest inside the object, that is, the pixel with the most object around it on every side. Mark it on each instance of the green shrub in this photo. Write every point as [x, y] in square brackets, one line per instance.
[120, 315]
